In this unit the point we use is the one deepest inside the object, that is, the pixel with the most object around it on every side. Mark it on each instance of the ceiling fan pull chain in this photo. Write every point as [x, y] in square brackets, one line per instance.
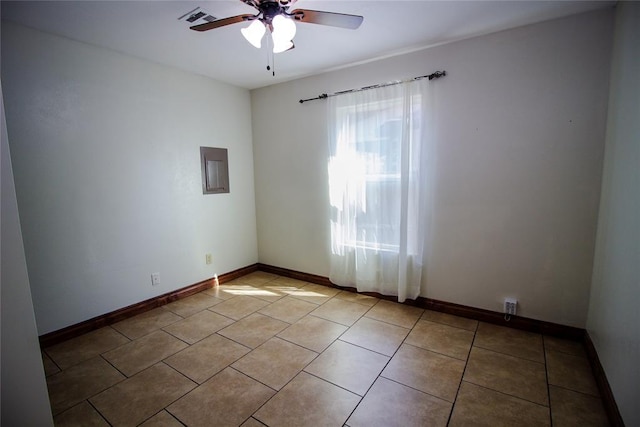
[271, 59]
[268, 54]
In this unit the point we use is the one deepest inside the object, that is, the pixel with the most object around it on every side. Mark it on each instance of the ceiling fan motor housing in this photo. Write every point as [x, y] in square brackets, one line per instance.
[270, 9]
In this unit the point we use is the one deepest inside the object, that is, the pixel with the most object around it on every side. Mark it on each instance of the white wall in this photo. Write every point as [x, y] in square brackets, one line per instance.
[521, 118]
[25, 401]
[106, 162]
[614, 323]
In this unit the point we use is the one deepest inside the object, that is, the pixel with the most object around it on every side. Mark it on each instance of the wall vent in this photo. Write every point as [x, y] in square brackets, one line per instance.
[197, 15]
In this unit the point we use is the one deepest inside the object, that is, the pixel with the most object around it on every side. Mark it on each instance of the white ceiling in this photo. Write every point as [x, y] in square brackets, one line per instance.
[151, 30]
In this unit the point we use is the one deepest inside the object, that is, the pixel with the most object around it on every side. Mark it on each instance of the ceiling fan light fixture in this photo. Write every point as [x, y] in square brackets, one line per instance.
[284, 27]
[284, 30]
[254, 33]
[282, 47]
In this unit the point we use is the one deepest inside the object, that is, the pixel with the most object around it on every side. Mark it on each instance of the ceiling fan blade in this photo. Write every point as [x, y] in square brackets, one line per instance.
[222, 22]
[332, 19]
[252, 3]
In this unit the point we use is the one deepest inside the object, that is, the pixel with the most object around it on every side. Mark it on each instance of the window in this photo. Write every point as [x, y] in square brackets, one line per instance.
[369, 154]
[378, 188]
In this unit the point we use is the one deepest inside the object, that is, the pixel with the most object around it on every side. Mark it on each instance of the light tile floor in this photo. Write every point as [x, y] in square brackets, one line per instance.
[269, 350]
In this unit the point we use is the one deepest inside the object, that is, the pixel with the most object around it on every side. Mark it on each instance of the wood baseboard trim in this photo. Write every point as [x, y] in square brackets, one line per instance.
[531, 325]
[609, 402]
[97, 322]
[517, 322]
[523, 323]
[298, 275]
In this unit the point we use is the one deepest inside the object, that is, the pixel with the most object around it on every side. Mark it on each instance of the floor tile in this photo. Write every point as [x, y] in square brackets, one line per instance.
[356, 297]
[141, 396]
[308, 401]
[146, 351]
[316, 294]
[222, 292]
[227, 399]
[348, 366]
[269, 294]
[270, 350]
[508, 374]
[254, 329]
[199, 326]
[479, 406]
[451, 320]
[162, 419]
[145, 323]
[398, 314]
[275, 362]
[447, 340]
[279, 290]
[514, 342]
[574, 348]
[375, 335]
[49, 365]
[426, 371]
[206, 358]
[239, 307]
[288, 309]
[313, 333]
[83, 414]
[574, 409]
[288, 282]
[190, 305]
[85, 347]
[389, 403]
[264, 292]
[340, 311]
[77, 383]
[572, 372]
[257, 278]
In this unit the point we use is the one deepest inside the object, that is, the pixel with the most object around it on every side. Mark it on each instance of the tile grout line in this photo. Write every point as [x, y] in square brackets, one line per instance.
[98, 412]
[577, 391]
[255, 379]
[385, 365]
[318, 355]
[546, 377]
[334, 384]
[437, 352]
[164, 408]
[466, 363]
[52, 361]
[507, 394]
[511, 355]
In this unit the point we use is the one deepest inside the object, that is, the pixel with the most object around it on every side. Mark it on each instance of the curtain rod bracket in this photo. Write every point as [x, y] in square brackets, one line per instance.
[321, 96]
[437, 74]
[431, 76]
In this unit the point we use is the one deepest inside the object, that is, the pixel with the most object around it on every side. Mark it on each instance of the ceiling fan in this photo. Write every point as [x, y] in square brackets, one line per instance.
[275, 16]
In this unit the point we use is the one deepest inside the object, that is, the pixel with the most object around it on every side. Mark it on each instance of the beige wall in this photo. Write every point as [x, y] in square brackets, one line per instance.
[521, 120]
[614, 319]
[107, 169]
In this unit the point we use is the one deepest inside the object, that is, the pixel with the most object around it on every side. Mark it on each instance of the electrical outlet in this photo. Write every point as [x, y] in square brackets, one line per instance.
[510, 305]
[155, 279]
[207, 258]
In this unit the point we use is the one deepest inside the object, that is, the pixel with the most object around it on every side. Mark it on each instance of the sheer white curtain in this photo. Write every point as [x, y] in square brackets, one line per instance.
[380, 170]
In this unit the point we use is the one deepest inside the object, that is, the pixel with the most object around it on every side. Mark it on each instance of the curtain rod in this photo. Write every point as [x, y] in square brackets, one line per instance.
[431, 76]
